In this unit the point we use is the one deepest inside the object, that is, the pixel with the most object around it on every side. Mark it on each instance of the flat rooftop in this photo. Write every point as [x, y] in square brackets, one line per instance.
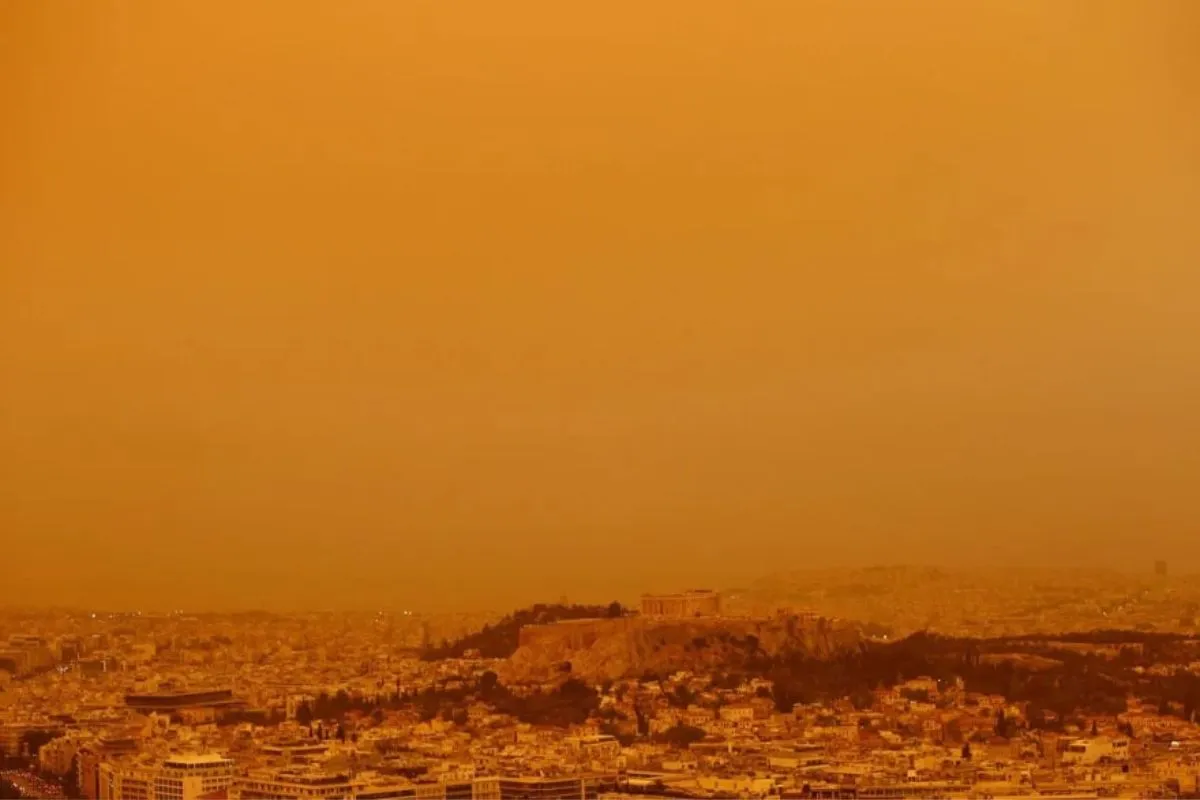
[195, 759]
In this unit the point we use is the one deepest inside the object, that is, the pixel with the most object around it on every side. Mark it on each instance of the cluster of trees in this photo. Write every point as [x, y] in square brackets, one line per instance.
[70, 781]
[571, 703]
[1078, 684]
[32, 741]
[618, 732]
[502, 639]
[681, 697]
[1081, 683]
[326, 731]
[679, 735]
[447, 703]
[332, 707]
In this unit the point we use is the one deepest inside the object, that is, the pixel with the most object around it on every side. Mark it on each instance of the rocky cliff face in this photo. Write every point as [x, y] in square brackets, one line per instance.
[631, 646]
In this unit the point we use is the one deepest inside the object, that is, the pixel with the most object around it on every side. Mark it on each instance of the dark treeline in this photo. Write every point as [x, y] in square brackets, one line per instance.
[333, 707]
[1063, 685]
[32, 741]
[680, 735]
[1073, 684]
[70, 781]
[572, 702]
[502, 639]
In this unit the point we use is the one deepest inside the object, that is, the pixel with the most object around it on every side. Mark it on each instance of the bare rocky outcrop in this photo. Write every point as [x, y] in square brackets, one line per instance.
[601, 649]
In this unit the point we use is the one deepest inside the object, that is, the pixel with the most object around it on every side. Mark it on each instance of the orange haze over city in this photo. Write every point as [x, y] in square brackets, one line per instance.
[466, 305]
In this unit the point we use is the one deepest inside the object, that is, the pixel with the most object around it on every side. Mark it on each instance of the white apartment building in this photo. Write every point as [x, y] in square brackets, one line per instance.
[599, 746]
[119, 782]
[187, 777]
[193, 777]
[1096, 751]
[290, 784]
[737, 714]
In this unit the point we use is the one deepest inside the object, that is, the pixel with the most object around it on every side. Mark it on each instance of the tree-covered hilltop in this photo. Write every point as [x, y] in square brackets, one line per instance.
[1057, 682]
[502, 639]
[569, 703]
[1091, 676]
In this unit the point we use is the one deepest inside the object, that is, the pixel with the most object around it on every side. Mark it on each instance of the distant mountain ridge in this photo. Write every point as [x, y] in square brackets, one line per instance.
[981, 602]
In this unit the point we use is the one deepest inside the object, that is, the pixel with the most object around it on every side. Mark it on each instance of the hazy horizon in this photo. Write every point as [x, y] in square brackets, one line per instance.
[630, 600]
[755, 587]
[476, 304]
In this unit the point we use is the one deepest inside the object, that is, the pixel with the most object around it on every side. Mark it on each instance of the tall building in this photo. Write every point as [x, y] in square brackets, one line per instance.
[92, 756]
[193, 777]
[1160, 569]
[573, 787]
[185, 777]
[286, 784]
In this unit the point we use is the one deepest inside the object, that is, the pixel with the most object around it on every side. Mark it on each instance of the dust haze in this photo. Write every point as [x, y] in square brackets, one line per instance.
[464, 305]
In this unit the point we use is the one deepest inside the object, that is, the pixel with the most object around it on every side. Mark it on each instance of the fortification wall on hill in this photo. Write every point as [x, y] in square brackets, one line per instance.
[576, 634]
[613, 648]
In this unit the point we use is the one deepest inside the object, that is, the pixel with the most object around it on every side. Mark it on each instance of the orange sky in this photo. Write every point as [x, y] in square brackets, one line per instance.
[472, 303]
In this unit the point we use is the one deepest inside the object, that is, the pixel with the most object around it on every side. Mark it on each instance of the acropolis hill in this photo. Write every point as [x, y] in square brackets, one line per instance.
[599, 649]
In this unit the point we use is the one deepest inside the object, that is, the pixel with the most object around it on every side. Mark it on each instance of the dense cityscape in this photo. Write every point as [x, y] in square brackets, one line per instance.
[700, 694]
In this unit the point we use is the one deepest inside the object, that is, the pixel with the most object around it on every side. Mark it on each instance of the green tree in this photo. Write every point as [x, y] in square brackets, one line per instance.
[323, 707]
[341, 703]
[611, 729]
[681, 697]
[680, 735]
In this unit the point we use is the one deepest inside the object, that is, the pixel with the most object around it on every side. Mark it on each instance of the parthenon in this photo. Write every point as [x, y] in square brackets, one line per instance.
[692, 603]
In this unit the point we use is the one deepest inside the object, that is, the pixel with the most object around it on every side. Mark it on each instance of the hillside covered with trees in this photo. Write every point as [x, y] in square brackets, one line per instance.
[502, 639]
[1065, 675]
[1061, 677]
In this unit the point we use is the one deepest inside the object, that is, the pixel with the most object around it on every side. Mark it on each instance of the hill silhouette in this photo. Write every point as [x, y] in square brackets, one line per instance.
[502, 639]
[1061, 678]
